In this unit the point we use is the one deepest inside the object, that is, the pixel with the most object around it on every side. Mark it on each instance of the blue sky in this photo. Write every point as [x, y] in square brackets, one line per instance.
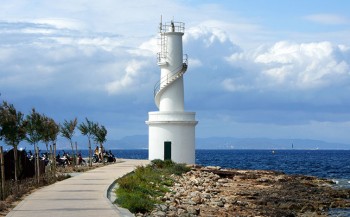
[276, 69]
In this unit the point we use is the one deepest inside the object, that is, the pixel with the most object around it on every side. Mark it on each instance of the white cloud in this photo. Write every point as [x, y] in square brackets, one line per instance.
[327, 19]
[296, 65]
[231, 85]
[60, 23]
[130, 79]
[194, 63]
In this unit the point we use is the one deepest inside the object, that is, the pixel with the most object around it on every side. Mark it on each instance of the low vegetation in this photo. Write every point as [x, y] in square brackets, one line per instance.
[139, 191]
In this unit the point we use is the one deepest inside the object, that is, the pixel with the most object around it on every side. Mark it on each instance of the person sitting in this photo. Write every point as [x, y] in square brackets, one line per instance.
[96, 151]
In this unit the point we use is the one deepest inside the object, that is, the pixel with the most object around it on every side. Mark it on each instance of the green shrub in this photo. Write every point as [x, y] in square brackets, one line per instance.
[138, 191]
[134, 202]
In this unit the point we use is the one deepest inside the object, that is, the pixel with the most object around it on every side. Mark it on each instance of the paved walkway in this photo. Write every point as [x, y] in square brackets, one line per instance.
[83, 195]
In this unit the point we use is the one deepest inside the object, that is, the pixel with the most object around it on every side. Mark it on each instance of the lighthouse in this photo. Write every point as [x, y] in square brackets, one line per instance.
[171, 129]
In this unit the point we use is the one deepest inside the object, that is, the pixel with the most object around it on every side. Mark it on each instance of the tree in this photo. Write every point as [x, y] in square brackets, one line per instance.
[88, 129]
[12, 130]
[68, 130]
[50, 131]
[35, 129]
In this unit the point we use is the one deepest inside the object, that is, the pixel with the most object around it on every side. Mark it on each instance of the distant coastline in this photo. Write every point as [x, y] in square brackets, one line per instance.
[212, 143]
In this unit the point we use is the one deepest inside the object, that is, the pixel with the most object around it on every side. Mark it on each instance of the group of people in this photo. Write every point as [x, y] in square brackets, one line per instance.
[100, 155]
[98, 152]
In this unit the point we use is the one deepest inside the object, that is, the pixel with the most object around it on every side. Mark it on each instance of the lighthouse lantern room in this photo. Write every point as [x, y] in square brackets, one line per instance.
[171, 129]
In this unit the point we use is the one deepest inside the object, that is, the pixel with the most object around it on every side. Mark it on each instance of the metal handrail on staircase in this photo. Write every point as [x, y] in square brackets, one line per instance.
[167, 80]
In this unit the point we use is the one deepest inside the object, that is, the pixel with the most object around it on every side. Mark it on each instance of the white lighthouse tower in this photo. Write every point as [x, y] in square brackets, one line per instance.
[171, 129]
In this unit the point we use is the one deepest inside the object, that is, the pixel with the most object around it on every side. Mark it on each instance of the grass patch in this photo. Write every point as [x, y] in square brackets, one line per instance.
[140, 190]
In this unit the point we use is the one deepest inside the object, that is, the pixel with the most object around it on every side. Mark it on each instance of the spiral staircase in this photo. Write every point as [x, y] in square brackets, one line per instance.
[167, 80]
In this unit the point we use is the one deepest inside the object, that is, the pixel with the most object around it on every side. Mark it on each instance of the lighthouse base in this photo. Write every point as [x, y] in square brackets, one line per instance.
[172, 136]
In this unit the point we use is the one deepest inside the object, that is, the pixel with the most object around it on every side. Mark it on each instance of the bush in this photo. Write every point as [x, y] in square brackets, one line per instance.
[135, 202]
[138, 191]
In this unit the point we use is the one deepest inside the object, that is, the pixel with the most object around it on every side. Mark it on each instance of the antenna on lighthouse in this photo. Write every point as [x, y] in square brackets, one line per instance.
[160, 24]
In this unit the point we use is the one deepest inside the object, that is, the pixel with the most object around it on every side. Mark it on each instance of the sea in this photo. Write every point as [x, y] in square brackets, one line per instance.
[330, 164]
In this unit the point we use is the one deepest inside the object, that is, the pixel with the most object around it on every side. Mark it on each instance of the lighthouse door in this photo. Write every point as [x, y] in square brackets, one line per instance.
[167, 150]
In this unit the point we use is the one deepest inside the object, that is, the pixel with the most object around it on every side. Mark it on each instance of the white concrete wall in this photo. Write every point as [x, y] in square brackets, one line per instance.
[172, 99]
[179, 129]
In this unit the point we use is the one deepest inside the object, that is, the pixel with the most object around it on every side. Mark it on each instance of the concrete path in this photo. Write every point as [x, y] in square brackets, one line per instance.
[83, 195]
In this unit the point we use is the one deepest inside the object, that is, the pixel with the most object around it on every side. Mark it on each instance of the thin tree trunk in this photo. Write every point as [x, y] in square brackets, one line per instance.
[90, 154]
[47, 147]
[2, 174]
[73, 156]
[37, 163]
[51, 158]
[16, 162]
[76, 153]
[54, 160]
[16, 166]
[35, 166]
[102, 151]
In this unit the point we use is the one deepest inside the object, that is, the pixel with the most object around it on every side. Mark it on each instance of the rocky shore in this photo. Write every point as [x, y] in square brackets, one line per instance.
[212, 191]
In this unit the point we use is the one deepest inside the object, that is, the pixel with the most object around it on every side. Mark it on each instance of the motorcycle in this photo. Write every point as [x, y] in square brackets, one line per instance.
[95, 158]
[109, 157]
[61, 161]
[45, 158]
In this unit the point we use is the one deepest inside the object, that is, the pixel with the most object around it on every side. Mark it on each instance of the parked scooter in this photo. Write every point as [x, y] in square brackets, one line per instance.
[95, 158]
[109, 157]
[61, 161]
[45, 158]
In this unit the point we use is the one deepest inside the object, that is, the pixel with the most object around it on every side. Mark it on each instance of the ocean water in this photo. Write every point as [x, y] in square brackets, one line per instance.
[331, 164]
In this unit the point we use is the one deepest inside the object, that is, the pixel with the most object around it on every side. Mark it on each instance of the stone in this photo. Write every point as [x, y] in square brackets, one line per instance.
[171, 214]
[192, 210]
[159, 214]
[222, 180]
[196, 199]
[213, 167]
[181, 211]
[163, 207]
[172, 208]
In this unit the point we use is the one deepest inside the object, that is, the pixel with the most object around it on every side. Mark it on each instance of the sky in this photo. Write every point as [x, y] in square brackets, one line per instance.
[272, 69]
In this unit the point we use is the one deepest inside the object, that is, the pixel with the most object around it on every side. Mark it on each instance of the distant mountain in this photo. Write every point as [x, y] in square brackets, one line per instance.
[265, 143]
[141, 142]
[130, 142]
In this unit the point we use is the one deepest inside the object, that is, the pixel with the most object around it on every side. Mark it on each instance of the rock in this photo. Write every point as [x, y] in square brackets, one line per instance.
[217, 202]
[206, 195]
[192, 210]
[191, 202]
[181, 211]
[159, 214]
[171, 214]
[263, 179]
[213, 167]
[308, 207]
[196, 199]
[222, 180]
[163, 207]
[172, 208]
